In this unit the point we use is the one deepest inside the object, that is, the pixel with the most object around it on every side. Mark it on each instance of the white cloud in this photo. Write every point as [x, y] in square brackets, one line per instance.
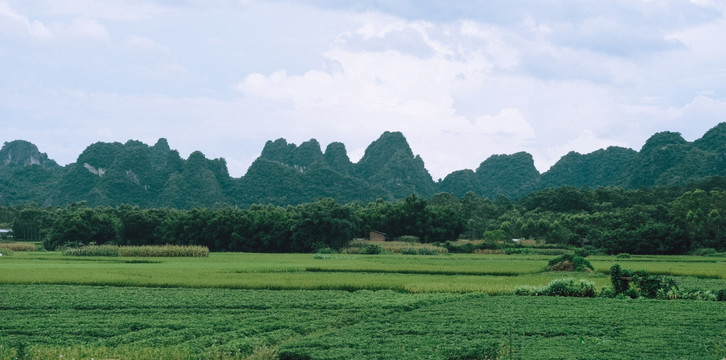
[114, 10]
[84, 28]
[585, 142]
[146, 44]
[509, 122]
[476, 86]
[462, 80]
[15, 24]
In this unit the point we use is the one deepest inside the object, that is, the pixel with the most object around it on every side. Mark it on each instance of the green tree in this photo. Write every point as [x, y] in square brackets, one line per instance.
[32, 223]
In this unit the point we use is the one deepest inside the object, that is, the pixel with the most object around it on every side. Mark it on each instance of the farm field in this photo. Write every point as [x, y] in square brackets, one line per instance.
[337, 306]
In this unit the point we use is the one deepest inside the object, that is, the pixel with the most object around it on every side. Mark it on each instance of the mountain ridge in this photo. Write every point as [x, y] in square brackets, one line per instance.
[289, 174]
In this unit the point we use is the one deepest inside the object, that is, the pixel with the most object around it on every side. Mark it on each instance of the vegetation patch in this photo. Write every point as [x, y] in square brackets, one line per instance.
[569, 262]
[559, 287]
[138, 251]
[89, 321]
[17, 246]
[394, 247]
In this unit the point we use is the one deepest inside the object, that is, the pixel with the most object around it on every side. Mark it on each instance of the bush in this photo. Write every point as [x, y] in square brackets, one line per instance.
[568, 287]
[569, 262]
[372, 249]
[646, 285]
[518, 251]
[528, 290]
[409, 251]
[619, 279]
[325, 250]
[428, 251]
[607, 292]
[465, 248]
[704, 252]
[582, 253]
[559, 287]
[623, 256]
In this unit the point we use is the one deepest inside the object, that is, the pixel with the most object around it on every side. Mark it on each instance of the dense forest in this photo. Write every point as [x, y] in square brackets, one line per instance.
[667, 198]
[113, 174]
[658, 220]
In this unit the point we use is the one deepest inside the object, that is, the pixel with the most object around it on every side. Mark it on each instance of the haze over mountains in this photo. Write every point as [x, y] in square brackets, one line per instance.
[288, 174]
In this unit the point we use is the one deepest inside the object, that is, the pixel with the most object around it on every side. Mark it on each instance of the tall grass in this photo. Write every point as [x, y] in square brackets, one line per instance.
[164, 251]
[18, 246]
[93, 250]
[396, 247]
[139, 251]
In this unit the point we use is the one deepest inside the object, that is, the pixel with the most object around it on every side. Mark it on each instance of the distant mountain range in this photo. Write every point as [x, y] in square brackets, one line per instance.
[288, 174]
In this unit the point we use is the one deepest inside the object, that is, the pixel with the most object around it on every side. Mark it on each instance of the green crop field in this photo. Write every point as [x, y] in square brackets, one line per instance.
[340, 306]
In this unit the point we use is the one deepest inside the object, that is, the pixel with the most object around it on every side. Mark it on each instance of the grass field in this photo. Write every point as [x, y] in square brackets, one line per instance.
[305, 306]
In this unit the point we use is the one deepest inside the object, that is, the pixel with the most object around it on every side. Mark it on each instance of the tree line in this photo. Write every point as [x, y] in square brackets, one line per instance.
[657, 220]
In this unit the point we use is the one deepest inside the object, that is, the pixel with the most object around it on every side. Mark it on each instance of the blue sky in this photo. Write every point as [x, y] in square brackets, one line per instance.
[462, 80]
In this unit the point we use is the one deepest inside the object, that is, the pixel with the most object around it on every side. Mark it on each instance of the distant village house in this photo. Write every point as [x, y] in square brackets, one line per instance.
[377, 236]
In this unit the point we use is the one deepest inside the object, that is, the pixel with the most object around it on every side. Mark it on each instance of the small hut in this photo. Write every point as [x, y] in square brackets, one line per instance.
[377, 236]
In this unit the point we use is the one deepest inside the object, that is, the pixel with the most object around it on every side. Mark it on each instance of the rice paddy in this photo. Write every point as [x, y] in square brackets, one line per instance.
[344, 306]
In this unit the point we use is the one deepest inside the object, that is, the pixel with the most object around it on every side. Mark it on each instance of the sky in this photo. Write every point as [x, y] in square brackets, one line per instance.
[462, 80]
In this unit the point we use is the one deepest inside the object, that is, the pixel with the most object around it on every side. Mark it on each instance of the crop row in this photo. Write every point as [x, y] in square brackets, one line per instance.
[139, 251]
[71, 321]
[492, 274]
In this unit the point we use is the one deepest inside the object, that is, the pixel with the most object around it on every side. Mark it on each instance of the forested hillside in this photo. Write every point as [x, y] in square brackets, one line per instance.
[660, 220]
[287, 174]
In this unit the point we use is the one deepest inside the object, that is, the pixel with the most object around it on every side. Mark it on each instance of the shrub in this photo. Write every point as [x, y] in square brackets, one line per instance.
[568, 287]
[409, 251]
[623, 256]
[582, 253]
[562, 266]
[647, 285]
[325, 250]
[423, 251]
[620, 279]
[704, 252]
[528, 290]
[559, 287]
[607, 292]
[517, 251]
[5, 252]
[428, 251]
[372, 249]
[466, 248]
[569, 262]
